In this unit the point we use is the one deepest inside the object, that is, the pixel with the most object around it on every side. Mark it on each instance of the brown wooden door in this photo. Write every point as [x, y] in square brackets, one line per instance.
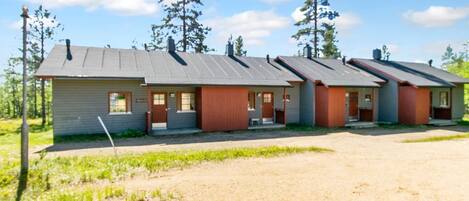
[267, 105]
[159, 114]
[353, 104]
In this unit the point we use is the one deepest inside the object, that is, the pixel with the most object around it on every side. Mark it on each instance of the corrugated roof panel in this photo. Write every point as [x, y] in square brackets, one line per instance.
[159, 67]
[94, 58]
[331, 72]
[390, 70]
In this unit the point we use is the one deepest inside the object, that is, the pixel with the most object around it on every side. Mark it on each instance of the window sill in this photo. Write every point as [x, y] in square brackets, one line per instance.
[251, 110]
[119, 113]
[187, 111]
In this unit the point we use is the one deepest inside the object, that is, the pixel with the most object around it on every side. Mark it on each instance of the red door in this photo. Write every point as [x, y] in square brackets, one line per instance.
[159, 108]
[267, 105]
[353, 104]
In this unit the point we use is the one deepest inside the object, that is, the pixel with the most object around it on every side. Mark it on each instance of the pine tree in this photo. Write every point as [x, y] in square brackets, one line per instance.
[182, 22]
[448, 57]
[314, 11]
[239, 44]
[43, 27]
[329, 48]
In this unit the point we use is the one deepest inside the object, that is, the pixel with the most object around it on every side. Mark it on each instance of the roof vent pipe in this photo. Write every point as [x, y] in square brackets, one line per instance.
[308, 51]
[377, 54]
[430, 62]
[267, 57]
[171, 45]
[69, 53]
[229, 49]
[145, 46]
[344, 60]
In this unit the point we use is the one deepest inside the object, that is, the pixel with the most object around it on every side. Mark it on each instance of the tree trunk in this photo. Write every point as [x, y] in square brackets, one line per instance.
[43, 103]
[24, 126]
[43, 94]
[35, 98]
[184, 27]
[315, 45]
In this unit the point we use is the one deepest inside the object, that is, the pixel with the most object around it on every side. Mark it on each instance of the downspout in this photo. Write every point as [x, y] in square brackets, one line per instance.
[148, 113]
[284, 106]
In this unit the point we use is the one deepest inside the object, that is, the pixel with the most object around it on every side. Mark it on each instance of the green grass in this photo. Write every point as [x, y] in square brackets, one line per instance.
[402, 126]
[55, 173]
[66, 178]
[439, 138]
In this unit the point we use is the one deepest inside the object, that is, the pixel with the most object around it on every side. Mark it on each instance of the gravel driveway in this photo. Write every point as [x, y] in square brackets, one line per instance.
[369, 164]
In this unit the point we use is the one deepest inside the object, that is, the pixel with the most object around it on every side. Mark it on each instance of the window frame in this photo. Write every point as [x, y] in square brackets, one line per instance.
[128, 102]
[447, 105]
[252, 94]
[179, 102]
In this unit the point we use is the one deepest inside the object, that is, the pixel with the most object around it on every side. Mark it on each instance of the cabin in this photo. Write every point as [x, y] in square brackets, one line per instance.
[334, 94]
[415, 93]
[166, 92]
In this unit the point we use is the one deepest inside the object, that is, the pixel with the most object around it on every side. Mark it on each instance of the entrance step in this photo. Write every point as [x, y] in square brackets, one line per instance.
[441, 122]
[361, 125]
[179, 131]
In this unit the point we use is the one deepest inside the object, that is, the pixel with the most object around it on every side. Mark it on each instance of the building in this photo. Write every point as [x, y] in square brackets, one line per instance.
[334, 93]
[415, 93]
[166, 90]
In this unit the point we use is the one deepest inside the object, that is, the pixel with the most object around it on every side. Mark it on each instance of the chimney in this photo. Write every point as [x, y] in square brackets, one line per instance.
[430, 62]
[145, 46]
[344, 60]
[69, 53]
[308, 51]
[267, 57]
[171, 45]
[377, 54]
[229, 49]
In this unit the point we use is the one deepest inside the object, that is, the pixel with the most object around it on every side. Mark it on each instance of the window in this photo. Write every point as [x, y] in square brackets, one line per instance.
[267, 98]
[444, 99]
[159, 99]
[120, 102]
[368, 98]
[251, 100]
[186, 102]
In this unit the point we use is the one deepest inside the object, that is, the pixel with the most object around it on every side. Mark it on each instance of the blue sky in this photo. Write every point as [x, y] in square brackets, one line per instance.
[414, 30]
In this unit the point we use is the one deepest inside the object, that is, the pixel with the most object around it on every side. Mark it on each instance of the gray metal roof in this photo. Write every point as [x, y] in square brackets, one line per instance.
[330, 72]
[414, 73]
[161, 67]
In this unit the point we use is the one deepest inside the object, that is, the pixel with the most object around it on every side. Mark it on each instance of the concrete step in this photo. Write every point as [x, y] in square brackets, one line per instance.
[361, 125]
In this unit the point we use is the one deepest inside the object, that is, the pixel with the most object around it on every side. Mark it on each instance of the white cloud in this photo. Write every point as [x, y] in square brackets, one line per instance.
[344, 23]
[254, 26]
[19, 24]
[436, 16]
[123, 7]
[274, 1]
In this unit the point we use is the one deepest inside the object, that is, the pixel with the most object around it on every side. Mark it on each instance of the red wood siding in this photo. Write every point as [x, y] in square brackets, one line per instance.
[330, 106]
[413, 105]
[222, 108]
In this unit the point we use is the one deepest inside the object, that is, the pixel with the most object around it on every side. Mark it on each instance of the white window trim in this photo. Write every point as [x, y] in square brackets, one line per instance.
[119, 113]
[186, 111]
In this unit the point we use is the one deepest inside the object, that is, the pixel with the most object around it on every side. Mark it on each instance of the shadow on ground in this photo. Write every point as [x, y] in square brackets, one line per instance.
[242, 136]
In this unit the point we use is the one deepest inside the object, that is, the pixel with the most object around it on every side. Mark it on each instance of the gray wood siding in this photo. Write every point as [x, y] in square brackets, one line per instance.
[388, 102]
[78, 103]
[307, 103]
[457, 100]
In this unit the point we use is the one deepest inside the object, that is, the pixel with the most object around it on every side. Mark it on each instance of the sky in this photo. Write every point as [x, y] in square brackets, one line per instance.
[416, 30]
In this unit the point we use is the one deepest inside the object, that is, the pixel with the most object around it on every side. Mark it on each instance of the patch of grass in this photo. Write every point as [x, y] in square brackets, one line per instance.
[98, 137]
[401, 126]
[303, 127]
[438, 138]
[48, 174]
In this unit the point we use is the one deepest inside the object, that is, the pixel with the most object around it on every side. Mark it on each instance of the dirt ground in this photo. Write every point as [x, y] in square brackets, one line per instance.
[369, 164]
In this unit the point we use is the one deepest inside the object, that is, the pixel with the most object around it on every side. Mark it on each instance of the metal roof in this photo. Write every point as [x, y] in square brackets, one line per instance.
[417, 74]
[330, 72]
[161, 67]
